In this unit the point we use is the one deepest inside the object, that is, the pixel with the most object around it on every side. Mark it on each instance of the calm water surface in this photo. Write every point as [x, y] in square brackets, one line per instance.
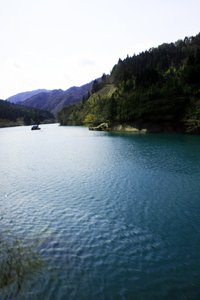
[116, 216]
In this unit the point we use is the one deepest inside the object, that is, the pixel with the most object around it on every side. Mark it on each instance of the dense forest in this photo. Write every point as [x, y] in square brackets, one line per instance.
[13, 115]
[158, 89]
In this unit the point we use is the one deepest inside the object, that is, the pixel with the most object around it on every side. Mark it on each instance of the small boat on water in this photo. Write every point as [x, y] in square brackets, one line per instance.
[35, 127]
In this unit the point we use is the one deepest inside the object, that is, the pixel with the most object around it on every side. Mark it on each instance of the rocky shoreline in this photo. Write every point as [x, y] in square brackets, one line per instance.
[142, 128]
[118, 128]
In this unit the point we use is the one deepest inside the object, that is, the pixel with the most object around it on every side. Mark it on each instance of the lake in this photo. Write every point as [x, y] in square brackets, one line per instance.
[111, 216]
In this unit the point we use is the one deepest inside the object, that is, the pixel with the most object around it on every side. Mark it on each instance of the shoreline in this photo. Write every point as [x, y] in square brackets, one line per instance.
[140, 128]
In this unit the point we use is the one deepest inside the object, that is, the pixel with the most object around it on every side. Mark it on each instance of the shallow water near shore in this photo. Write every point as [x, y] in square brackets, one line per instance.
[113, 216]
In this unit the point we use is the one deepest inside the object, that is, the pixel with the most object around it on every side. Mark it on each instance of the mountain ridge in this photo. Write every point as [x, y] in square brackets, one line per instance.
[24, 95]
[52, 100]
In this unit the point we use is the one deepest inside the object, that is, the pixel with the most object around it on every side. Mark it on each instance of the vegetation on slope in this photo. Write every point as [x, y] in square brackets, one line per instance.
[158, 89]
[13, 115]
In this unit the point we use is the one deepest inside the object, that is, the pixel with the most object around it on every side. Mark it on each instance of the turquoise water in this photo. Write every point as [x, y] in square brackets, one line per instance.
[115, 216]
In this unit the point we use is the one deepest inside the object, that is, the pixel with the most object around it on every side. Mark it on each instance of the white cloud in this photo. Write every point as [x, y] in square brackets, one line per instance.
[56, 44]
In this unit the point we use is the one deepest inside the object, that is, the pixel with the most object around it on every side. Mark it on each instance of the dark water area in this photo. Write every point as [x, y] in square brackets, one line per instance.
[113, 216]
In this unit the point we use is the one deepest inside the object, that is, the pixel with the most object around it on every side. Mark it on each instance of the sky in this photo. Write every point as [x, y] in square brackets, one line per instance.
[56, 44]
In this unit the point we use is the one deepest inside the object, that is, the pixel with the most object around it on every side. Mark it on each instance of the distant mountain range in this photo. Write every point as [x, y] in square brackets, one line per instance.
[53, 100]
[25, 95]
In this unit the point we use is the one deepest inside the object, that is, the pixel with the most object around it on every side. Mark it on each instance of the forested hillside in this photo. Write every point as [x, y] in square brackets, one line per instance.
[13, 115]
[158, 89]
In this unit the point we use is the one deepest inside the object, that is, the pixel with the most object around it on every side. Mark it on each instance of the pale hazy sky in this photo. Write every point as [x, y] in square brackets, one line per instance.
[61, 43]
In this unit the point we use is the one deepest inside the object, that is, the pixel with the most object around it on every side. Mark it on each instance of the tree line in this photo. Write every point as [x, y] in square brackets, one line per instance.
[13, 113]
[160, 86]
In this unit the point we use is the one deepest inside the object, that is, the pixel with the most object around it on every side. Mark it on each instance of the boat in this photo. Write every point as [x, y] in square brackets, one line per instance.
[35, 127]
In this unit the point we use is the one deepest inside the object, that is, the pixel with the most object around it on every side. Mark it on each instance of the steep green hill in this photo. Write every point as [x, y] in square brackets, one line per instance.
[12, 115]
[158, 90]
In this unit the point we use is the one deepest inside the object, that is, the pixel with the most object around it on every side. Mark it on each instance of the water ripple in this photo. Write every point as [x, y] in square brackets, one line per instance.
[113, 216]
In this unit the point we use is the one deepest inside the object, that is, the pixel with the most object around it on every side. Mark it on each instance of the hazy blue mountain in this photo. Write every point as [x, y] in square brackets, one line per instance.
[25, 95]
[55, 100]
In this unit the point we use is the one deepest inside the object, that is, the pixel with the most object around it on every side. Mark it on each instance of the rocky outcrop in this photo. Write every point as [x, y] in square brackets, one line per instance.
[128, 128]
[118, 128]
[101, 127]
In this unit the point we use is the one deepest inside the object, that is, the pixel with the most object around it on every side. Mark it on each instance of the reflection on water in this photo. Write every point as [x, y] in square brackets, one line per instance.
[113, 216]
